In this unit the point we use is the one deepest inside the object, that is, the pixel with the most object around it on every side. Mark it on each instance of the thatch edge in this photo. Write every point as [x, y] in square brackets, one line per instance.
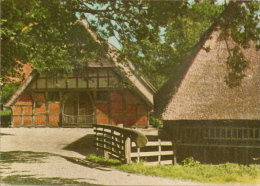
[21, 89]
[165, 93]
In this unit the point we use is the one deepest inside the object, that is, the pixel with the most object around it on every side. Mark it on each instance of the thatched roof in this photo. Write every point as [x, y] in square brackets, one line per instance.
[21, 89]
[141, 85]
[197, 89]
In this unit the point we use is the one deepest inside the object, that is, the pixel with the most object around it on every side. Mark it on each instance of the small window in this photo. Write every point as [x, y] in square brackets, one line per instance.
[102, 96]
[54, 96]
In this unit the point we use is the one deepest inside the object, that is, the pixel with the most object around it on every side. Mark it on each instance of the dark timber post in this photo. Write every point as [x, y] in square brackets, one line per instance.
[174, 144]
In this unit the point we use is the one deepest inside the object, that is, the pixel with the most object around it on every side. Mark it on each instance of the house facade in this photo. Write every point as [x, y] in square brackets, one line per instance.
[106, 92]
[204, 117]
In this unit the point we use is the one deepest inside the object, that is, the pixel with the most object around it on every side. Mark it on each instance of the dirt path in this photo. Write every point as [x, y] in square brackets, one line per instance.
[39, 153]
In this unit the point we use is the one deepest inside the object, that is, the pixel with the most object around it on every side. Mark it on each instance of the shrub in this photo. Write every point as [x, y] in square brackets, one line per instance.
[156, 123]
[191, 162]
[5, 118]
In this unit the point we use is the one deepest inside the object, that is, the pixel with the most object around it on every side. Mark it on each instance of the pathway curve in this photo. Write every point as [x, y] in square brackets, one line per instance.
[40, 152]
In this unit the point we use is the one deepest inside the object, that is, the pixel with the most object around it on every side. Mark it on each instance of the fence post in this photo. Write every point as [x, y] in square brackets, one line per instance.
[128, 150]
[138, 157]
[174, 144]
[96, 137]
[160, 149]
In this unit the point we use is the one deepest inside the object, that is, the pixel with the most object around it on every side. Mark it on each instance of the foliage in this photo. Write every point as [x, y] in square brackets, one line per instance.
[5, 113]
[239, 23]
[236, 63]
[45, 33]
[190, 162]
[8, 90]
[5, 118]
[155, 35]
[156, 123]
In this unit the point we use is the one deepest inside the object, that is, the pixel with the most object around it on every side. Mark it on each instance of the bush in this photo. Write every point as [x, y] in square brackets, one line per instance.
[156, 123]
[191, 162]
[5, 118]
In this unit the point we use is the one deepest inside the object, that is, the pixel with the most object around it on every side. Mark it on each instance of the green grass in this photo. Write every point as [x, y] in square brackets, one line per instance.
[103, 161]
[191, 170]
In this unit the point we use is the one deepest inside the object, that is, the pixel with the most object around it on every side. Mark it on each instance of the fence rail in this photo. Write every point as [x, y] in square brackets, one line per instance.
[159, 152]
[77, 119]
[116, 141]
[217, 136]
[126, 144]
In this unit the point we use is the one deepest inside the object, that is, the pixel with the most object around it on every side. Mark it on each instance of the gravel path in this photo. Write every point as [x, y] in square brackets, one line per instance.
[43, 149]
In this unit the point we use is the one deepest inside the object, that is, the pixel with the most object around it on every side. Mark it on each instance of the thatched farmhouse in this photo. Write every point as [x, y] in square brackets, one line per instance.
[204, 117]
[106, 92]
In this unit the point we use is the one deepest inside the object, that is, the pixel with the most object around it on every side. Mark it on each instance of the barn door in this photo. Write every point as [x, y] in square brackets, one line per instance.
[78, 109]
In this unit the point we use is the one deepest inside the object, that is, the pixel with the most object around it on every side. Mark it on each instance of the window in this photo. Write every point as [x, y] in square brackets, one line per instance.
[102, 96]
[54, 96]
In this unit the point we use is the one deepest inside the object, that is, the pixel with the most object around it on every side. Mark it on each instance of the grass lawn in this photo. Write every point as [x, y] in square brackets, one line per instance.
[191, 170]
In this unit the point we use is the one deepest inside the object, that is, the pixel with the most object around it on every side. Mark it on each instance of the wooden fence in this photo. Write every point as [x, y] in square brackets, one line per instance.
[158, 152]
[116, 141]
[126, 144]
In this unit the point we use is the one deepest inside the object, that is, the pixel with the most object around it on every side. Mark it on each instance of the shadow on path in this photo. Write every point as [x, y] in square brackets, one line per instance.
[86, 163]
[5, 134]
[83, 146]
[31, 180]
[19, 178]
[24, 157]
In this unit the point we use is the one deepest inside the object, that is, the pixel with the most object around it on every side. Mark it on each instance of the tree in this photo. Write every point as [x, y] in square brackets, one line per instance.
[44, 33]
[155, 35]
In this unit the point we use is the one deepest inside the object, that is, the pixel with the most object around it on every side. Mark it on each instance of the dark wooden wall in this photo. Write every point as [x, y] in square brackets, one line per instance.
[215, 141]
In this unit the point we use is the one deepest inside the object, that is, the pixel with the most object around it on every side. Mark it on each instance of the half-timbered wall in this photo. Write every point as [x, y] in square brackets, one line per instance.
[22, 111]
[98, 91]
[92, 78]
[33, 109]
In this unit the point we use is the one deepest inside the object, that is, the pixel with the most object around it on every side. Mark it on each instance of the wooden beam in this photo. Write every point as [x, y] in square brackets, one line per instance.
[21, 115]
[110, 120]
[33, 106]
[47, 108]
[12, 116]
[124, 107]
[61, 107]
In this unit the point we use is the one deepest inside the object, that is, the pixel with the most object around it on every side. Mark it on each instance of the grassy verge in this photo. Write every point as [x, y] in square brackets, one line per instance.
[191, 170]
